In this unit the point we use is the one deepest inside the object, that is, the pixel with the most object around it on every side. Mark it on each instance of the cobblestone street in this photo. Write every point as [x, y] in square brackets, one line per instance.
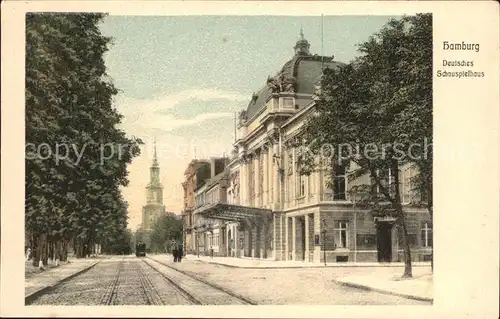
[157, 280]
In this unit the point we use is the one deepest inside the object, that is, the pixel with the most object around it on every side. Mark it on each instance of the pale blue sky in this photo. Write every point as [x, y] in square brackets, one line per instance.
[183, 77]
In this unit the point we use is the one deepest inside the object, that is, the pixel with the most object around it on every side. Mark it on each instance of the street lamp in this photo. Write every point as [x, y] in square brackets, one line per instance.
[324, 240]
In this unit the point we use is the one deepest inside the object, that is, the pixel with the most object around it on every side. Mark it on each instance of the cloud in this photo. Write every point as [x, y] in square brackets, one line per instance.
[143, 116]
[178, 134]
[129, 105]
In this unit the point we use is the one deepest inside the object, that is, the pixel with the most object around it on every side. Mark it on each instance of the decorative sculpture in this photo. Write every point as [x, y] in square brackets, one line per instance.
[243, 116]
[280, 83]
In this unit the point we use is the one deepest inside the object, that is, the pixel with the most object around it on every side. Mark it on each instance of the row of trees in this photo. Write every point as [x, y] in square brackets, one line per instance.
[76, 157]
[381, 104]
[166, 230]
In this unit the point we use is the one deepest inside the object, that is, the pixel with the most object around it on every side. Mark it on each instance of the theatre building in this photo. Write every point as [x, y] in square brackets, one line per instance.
[260, 206]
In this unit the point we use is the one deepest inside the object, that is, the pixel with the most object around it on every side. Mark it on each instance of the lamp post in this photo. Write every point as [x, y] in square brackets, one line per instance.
[324, 240]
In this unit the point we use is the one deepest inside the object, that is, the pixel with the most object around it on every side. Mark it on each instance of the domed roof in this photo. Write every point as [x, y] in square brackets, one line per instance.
[302, 73]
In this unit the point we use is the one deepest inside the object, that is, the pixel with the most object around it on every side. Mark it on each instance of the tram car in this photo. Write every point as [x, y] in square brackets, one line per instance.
[140, 249]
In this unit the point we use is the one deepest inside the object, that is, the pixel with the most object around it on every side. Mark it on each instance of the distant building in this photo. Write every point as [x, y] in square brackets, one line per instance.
[196, 175]
[154, 207]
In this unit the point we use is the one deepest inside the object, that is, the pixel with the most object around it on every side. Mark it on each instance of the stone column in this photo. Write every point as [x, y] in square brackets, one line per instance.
[270, 175]
[265, 190]
[274, 237]
[294, 237]
[276, 186]
[286, 237]
[243, 182]
[256, 161]
[235, 241]
[306, 225]
[294, 187]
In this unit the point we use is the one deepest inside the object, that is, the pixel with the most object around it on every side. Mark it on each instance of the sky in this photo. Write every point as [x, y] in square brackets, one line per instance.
[183, 78]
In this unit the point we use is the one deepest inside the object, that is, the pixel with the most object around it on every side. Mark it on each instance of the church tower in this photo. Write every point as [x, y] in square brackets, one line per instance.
[154, 207]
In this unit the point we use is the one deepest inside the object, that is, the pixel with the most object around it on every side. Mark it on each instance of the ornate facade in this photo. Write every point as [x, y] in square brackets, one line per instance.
[273, 211]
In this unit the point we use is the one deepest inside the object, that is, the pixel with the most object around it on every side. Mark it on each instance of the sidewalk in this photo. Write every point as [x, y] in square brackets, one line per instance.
[36, 282]
[382, 278]
[420, 287]
[252, 263]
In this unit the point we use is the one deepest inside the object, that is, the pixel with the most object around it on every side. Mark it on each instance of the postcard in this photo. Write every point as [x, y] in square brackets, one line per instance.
[250, 159]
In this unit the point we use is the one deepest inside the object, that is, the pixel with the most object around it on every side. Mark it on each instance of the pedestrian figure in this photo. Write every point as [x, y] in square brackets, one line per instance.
[180, 253]
[174, 252]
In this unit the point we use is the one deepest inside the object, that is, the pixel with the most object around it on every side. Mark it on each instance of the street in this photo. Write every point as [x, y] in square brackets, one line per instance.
[157, 280]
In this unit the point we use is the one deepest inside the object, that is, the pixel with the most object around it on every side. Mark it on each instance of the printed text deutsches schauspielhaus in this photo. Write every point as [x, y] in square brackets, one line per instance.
[460, 46]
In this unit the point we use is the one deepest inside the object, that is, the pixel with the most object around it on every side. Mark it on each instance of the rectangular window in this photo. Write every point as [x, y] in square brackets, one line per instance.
[327, 190]
[340, 233]
[387, 180]
[339, 183]
[426, 234]
[300, 180]
[289, 163]
[301, 188]
[309, 186]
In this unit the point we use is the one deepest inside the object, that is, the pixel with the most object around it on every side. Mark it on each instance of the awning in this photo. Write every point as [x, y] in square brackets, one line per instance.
[235, 213]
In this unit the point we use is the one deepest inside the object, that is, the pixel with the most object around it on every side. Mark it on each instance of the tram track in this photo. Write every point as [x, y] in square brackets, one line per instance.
[110, 295]
[211, 295]
[150, 292]
[172, 283]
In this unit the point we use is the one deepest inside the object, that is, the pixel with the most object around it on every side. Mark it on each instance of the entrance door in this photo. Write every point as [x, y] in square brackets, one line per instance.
[384, 243]
[303, 236]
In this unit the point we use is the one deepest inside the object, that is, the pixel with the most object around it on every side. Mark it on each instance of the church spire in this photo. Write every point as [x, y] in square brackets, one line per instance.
[155, 157]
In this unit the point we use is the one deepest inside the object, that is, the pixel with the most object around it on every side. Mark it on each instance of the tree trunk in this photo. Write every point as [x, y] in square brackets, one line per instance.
[36, 253]
[51, 249]
[40, 255]
[45, 251]
[78, 248]
[64, 250]
[406, 248]
[402, 220]
[57, 251]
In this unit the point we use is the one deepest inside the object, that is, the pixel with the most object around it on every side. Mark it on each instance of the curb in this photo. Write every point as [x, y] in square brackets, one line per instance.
[300, 267]
[28, 299]
[386, 292]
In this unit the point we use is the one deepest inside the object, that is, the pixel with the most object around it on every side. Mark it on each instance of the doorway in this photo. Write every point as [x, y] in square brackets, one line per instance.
[384, 242]
[302, 221]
